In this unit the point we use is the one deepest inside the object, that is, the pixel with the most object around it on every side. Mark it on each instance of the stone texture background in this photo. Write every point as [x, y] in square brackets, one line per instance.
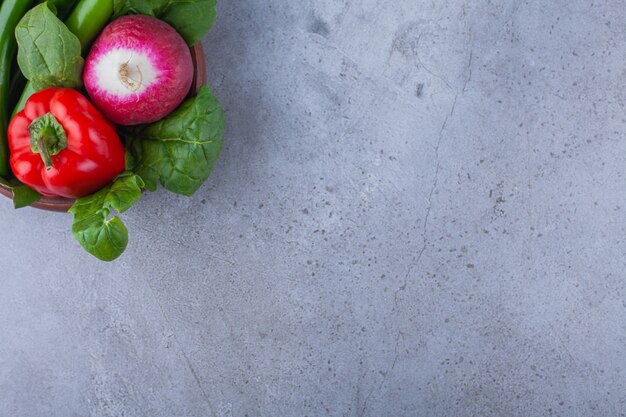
[419, 211]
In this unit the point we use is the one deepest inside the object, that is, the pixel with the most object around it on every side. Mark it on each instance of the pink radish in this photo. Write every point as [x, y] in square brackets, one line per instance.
[138, 70]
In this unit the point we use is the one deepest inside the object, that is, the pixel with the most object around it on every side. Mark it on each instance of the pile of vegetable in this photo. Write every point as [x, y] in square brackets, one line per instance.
[95, 106]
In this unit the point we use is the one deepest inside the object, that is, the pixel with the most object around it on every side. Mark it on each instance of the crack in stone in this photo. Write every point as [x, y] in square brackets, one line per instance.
[187, 360]
[417, 259]
[384, 373]
[419, 61]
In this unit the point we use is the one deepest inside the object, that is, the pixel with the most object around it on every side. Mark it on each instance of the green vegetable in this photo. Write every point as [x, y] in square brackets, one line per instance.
[29, 90]
[63, 7]
[86, 21]
[191, 18]
[23, 195]
[48, 54]
[180, 150]
[11, 11]
[101, 235]
[18, 82]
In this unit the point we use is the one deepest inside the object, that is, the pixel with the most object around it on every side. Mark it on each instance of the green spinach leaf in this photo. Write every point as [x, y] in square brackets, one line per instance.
[180, 150]
[191, 18]
[48, 54]
[96, 227]
[23, 195]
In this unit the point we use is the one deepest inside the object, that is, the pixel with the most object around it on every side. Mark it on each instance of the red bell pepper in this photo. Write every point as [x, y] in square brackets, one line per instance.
[62, 146]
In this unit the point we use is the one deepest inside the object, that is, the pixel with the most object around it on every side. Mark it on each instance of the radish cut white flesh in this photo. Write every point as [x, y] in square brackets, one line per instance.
[135, 72]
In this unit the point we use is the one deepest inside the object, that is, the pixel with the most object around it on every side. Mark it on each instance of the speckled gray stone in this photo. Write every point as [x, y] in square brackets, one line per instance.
[419, 211]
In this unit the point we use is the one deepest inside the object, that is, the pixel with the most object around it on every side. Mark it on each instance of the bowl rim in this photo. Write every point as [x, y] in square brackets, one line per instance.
[61, 204]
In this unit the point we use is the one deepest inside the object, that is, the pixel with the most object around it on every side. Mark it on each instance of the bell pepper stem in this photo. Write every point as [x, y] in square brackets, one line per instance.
[47, 138]
[45, 155]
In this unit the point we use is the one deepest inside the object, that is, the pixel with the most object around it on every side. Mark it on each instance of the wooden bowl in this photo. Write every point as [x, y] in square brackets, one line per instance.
[63, 204]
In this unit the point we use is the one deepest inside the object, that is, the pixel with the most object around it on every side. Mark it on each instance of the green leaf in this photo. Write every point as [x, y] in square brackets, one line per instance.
[48, 54]
[6, 183]
[24, 196]
[191, 18]
[101, 235]
[132, 150]
[180, 150]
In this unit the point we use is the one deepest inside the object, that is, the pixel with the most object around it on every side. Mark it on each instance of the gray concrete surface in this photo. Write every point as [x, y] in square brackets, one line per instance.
[419, 211]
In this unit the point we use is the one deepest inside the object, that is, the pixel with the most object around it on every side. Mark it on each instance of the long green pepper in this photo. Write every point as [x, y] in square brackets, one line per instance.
[11, 11]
